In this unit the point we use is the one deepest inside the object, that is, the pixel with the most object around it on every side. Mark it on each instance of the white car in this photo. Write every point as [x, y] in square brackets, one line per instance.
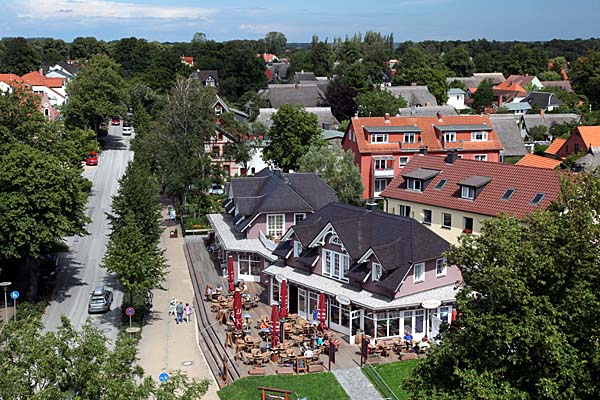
[216, 189]
[127, 130]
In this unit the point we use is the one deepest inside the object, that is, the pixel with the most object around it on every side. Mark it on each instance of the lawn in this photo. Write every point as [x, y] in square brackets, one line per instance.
[393, 374]
[322, 385]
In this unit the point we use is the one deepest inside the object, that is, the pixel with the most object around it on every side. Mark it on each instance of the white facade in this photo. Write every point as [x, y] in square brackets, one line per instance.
[56, 96]
[456, 98]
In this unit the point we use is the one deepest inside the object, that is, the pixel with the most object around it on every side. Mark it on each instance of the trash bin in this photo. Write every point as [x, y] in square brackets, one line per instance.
[173, 233]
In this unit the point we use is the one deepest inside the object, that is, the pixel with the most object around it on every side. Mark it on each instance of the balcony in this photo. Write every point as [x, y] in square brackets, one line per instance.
[459, 144]
[384, 173]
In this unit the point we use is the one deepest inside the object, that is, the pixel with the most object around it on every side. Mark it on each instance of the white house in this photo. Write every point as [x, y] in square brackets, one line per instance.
[54, 88]
[456, 98]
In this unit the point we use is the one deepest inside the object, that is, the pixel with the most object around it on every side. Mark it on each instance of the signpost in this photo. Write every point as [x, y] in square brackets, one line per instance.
[15, 295]
[5, 286]
[130, 312]
[163, 377]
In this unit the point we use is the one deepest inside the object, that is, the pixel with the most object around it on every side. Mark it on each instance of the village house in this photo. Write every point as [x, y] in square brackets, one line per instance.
[582, 139]
[54, 88]
[418, 96]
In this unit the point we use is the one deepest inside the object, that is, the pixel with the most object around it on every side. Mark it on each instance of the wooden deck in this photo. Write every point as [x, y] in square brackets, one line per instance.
[213, 333]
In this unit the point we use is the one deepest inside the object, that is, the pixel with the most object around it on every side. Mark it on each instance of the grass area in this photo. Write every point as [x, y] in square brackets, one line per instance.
[322, 385]
[394, 375]
[195, 222]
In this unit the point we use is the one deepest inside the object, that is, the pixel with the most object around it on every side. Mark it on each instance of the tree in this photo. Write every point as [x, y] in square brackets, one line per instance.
[199, 37]
[19, 57]
[538, 132]
[377, 103]
[484, 96]
[84, 48]
[458, 60]
[549, 76]
[95, 94]
[563, 130]
[322, 57]
[585, 75]
[292, 132]
[275, 43]
[521, 331]
[489, 61]
[241, 71]
[340, 97]
[433, 77]
[336, 167]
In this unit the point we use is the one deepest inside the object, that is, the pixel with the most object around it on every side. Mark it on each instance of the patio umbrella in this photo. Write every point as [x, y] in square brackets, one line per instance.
[230, 274]
[274, 325]
[454, 312]
[237, 309]
[322, 311]
[283, 303]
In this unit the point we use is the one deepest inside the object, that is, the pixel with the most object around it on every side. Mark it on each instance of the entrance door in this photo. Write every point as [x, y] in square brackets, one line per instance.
[356, 323]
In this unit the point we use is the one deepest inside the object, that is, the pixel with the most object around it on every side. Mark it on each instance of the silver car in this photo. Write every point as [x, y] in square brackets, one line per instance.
[100, 300]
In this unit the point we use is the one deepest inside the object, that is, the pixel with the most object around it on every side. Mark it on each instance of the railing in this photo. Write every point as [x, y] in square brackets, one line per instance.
[384, 173]
[459, 144]
[379, 383]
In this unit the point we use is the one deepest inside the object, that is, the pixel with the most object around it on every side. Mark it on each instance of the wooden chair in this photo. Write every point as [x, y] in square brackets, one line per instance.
[247, 358]
[287, 329]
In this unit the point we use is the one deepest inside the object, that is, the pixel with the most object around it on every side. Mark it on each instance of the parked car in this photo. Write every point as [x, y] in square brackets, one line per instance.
[48, 268]
[216, 189]
[91, 158]
[127, 131]
[115, 121]
[100, 300]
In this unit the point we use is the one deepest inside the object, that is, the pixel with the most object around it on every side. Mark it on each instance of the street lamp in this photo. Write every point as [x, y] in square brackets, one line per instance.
[5, 286]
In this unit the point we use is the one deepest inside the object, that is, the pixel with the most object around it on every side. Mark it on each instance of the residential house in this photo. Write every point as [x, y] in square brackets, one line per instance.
[456, 98]
[332, 137]
[381, 274]
[472, 82]
[525, 81]
[54, 88]
[325, 118]
[533, 160]
[383, 145]
[46, 108]
[589, 162]
[8, 82]
[509, 134]
[427, 111]
[303, 77]
[508, 92]
[517, 109]
[299, 94]
[268, 58]
[259, 210]
[277, 72]
[564, 85]
[548, 120]
[546, 101]
[418, 96]
[554, 147]
[63, 69]
[582, 139]
[208, 77]
[187, 60]
[453, 196]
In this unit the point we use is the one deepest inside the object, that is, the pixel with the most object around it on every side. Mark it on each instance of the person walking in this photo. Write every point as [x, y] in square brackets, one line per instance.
[179, 310]
[188, 312]
[172, 306]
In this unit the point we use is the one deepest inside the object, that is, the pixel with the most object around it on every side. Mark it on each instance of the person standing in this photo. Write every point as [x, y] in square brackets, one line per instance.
[172, 306]
[179, 310]
[188, 312]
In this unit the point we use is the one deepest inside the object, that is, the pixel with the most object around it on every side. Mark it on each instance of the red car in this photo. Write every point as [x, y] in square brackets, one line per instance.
[91, 158]
[115, 121]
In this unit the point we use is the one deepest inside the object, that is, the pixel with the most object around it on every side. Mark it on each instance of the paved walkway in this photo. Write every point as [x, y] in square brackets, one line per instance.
[356, 384]
[165, 345]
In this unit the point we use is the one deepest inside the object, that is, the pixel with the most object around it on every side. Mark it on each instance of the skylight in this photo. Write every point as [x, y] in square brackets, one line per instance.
[441, 183]
[537, 198]
[508, 194]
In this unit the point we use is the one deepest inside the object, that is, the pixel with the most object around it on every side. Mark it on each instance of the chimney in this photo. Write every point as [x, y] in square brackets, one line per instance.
[422, 150]
[499, 101]
[542, 113]
[439, 116]
[41, 71]
[387, 118]
[451, 157]
[371, 205]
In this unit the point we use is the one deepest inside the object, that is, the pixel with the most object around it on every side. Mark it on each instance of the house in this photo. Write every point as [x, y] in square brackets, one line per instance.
[8, 82]
[468, 82]
[548, 120]
[552, 150]
[382, 146]
[453, 196]
[525, 80]
[187, 60]
[208, 77]
[277, 71]
[54, 88]
[325, 118]
[299, 94]
[508, 92]
[472, 82]
[427, 111]
[268, 58]
[509, 135]
[546, 101]
[517, 109]
[49, 111]
[564, 85]
[418, 96]
[303, 77]
[589, 162]
[381, 274]
[456, 98]
[259, 211]
[332, 137]
[582, 139]
[533, 160]
[63, 69]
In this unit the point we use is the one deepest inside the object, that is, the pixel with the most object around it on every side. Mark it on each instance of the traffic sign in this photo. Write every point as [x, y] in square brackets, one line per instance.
[163, 377]
[14, 294]
[129, 311]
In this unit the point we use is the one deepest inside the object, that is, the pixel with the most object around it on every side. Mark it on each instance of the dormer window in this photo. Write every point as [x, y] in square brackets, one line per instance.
[467, 192]
[414, 184]
[335, 240]
[472, 186]
[409, 138]
[419, 178]
[376, 272]
[379, 138]
[450, 137]
[479, 136]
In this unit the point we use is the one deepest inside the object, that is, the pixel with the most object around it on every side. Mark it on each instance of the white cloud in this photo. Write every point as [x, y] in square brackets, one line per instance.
[71, 9]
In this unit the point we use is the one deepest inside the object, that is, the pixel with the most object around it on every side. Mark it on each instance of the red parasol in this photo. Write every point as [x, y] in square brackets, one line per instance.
[230, 274]
[237, 309]
[283, 305]
[454, 312]
[322, 315]
[274, 325]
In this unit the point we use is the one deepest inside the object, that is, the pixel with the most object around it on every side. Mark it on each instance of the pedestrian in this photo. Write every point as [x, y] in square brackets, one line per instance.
[172, 306]
[188, 312]
[179, 312]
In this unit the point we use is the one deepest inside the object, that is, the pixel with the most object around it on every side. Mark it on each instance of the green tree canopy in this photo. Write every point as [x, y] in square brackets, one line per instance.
[585, 75]
[275, 42]
[484, 96]
[340, 97]
[377, 103]
[19, 57]
[458, 60]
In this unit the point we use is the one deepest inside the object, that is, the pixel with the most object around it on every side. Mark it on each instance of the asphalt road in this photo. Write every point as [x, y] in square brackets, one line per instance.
[80, 268]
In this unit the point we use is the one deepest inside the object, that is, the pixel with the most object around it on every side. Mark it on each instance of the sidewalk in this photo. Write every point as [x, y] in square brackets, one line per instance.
[165, 345]
[356, 384]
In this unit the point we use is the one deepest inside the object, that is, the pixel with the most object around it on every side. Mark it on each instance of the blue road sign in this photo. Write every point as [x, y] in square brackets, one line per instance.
[129, 311]
[163, 377]
[14, 294]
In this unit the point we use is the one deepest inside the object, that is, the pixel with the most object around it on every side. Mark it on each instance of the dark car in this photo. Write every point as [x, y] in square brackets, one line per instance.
[48, 268]
[91, 158]
[100, 300]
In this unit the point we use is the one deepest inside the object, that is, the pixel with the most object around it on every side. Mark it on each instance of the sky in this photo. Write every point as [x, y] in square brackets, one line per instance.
[417, 20]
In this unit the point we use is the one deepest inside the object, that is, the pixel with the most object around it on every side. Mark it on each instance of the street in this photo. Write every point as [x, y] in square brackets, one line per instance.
[80, 268]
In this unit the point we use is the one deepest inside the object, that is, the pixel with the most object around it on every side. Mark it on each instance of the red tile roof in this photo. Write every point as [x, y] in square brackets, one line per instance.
[510, 86]
[590, 135]
[10, 78]
[527, 182]
[522, 80]
[533, 160]
[187, 60]
[428, 133]
[555, 146]
[36, 78]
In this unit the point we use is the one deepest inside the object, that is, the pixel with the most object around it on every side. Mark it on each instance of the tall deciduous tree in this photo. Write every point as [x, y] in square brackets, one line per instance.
[585, 75]
[377, 103]
[293, 130]
[340, 97]
[484, 96]
[275, 42]
[19, 57]
[458, 60]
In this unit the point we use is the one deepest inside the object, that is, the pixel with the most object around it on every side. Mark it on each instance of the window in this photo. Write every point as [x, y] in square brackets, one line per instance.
[446, 220]
[376, 272]
[508, 194]
[441, 183]
[409, 138]
[427, 217]
[413, 184]
[275, 225]
[479, 136]
[419, 272]
[299, 218]
[576, 147]
[467, 192]
[249, 264]
[380, 164]
[335, 240]
[403, 161]
[450, 137]
[404, 211]
[537, 198]
[467, 225]
[325, 125]
[297, 248]
[441, 268]
[481, 157]
[379, 138]
[380, 185]
[335, 265]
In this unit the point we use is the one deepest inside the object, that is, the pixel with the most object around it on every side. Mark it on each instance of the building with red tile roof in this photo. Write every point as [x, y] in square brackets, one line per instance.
[580, 141]
[555, 146]
[383, 145]
[54, 88]
[454, 196]
[9, 81]
[187, 60]
[533, 160]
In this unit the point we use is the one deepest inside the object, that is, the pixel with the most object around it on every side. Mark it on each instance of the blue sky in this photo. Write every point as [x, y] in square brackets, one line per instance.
[177, 20]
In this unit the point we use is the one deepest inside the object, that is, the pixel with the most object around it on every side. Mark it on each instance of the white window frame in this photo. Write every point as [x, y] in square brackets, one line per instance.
[401, 163]
[409, 137]
[441, 267]
[480, 157]
[297, 248]
[421, 276]
[467, 192]
[404, 210]
[335, 265]
[272, 231]
[379, 138]
[297, 215]
[411, 184]
[376, 271]
[449, 137]
[430, 217]
[475, 136]
[380, 164]
[443, 222]
[379, 180]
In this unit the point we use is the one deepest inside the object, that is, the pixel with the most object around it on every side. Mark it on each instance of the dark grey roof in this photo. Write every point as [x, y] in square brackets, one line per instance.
[73, 69]
[279, 70]
[469, 82]
[508, 132]
[427, 111]
[202, 75]
[302, 94]
[283, 248]
[549, 120]
[414, 95]
[542, 99]
[463, 127]
[391, 128]
[303, 77]
[421, 173]
[475, 181]
[590, 162]
[359, 271]
[308, 257]
[564, 85]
